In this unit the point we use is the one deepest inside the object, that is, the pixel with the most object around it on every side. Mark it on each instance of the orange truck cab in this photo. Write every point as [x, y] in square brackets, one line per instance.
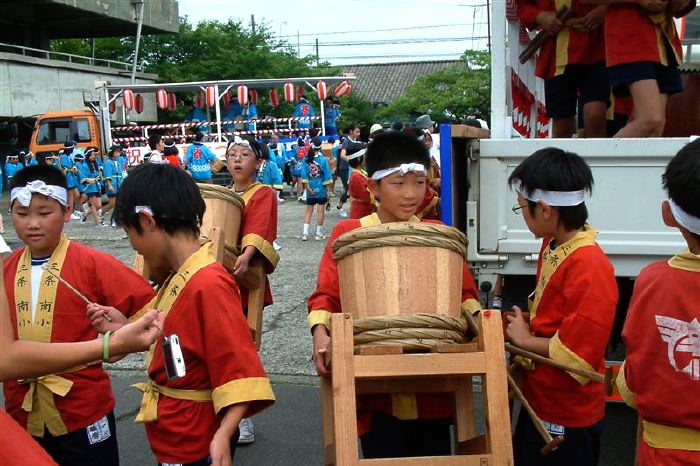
[53, 129]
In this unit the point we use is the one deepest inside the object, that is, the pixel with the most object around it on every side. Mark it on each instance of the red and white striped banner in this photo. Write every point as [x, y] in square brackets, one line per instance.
[162, 99]
[208, 123]
[322, 90]
[128, 98]
[134, 139]
[289, 92]
[253, 96]
[172, 102]
[211, 96]
[138, 103]
[242, 94]
[342, 89]
[274, 97]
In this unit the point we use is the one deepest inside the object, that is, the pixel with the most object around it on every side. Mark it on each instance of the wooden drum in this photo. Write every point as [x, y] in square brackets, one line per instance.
[224, 210]
[401, 269]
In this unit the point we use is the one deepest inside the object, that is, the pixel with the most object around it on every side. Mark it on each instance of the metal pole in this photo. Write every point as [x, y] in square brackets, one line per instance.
[498, 72]
[218, 114]
[323, 119]
[298, 45]
[488, 24]
[139, 18]
[317, 57]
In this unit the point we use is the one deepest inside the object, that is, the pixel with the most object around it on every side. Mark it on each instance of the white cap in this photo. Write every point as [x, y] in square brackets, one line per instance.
[375, 127]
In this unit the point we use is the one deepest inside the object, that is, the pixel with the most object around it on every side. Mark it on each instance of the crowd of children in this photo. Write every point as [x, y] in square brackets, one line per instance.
[198, 416]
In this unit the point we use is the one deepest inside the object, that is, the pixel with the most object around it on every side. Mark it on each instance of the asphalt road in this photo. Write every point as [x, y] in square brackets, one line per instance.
[290, 432]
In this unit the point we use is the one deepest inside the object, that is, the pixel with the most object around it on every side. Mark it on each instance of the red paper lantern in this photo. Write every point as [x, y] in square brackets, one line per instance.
[113, 106]
[162, 99]
[254, 97]
[172, 102]
[322, 90]
[138, 103]
[128, 98]
[227, 97]
[242, 94]
[199, 101]
[342, 89]
[300, 92]
[211, 96]
[289, 92]
[274, 97]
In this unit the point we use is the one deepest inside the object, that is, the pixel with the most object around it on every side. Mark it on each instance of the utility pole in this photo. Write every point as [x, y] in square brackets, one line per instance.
[488, 23]
[317, 57]
[139, 18]
[298, 45]
[252, 23]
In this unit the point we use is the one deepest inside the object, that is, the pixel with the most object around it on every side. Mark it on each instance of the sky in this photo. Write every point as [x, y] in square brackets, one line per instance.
[360, 31]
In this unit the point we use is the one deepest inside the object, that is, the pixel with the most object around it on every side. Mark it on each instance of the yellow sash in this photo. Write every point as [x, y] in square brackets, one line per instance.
[674, 438]
[686, 260]
[665, 31]
[39, 401]
[551, 261]
[164, 301]
[250, 191]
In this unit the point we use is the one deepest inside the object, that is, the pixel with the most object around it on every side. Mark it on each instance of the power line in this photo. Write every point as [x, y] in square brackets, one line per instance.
[376, 30]
[394, 41]
[398, 55]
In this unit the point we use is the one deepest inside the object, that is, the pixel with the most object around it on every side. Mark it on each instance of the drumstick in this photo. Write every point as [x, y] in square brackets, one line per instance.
[596, 377]
[71, 287]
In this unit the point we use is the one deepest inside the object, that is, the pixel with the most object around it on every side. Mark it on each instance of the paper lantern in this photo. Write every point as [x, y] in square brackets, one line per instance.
[199, 101]
[322, 90]
[138, 103]
[172, 102]
[113, 106]
[342, 89]
[254, 97]
[162, 99]
[211, 96]
[128, 98]
[289, 92]
[242, 94]
[274, 97]
[227, 97]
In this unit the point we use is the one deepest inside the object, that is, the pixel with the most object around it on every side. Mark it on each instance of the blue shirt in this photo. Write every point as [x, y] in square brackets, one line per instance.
[72, 179]
[233, 111]
[111, 171]
[197, 160]
[303, 109]
[269, 174]
[330, 116]
[196, 115]
[250, 112]
[317, 175]
[11, 169]
[85, 173]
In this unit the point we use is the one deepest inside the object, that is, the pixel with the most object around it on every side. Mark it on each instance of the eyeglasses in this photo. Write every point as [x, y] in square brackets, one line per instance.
[243, 155]
[518, 209]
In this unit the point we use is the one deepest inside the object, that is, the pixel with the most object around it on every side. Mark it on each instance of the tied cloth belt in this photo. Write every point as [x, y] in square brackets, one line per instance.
[151, 392]
[40, 406]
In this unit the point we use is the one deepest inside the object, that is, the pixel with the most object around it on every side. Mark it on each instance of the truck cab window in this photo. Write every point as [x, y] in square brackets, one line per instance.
[53, 132]
[82, 130]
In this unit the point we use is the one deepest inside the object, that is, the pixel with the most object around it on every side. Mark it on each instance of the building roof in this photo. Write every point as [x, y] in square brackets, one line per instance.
[383, 82]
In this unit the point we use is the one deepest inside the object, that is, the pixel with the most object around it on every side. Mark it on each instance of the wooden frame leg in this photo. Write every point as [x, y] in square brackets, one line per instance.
[343, 380]
[256, 297]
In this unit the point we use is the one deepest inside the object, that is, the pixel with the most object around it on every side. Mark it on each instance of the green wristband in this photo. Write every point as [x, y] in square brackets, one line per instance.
[105, 346]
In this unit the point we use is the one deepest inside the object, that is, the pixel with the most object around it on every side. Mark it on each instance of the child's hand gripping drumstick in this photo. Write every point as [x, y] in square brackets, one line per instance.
[72, 288]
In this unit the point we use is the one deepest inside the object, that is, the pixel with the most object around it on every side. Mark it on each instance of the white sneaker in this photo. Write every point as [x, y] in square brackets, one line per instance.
[276, 245]
[246, 430]
[76, 216]
[319, 237]
[343, 214]
[304, 237]
[280, 200]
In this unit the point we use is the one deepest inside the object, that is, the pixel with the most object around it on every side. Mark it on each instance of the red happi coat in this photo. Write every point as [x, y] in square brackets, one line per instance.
[661, 374]
[574, 306]
[103, 280]
[326, 300]
[361, 200]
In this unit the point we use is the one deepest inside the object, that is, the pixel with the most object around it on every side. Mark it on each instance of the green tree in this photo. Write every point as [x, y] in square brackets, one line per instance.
[449, 94]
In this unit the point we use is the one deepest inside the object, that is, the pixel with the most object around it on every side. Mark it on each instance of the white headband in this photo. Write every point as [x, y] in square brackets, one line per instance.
[553, 198]
[24, 195]
[687, 221]
[357, 154]
[143, 208]
[403, 168]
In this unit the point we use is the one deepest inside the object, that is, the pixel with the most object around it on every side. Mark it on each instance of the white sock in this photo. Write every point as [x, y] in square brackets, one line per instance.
[306, 228]
[319, 230]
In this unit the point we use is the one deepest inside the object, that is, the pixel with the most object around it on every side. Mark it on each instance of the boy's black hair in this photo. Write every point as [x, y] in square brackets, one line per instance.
[393, 149]
[169, 147]
[199, 137]
[681, 180]
[46, 173]
[331, 140]
[553, 169]
[153, 140]
[170, 193]
[357, 162]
